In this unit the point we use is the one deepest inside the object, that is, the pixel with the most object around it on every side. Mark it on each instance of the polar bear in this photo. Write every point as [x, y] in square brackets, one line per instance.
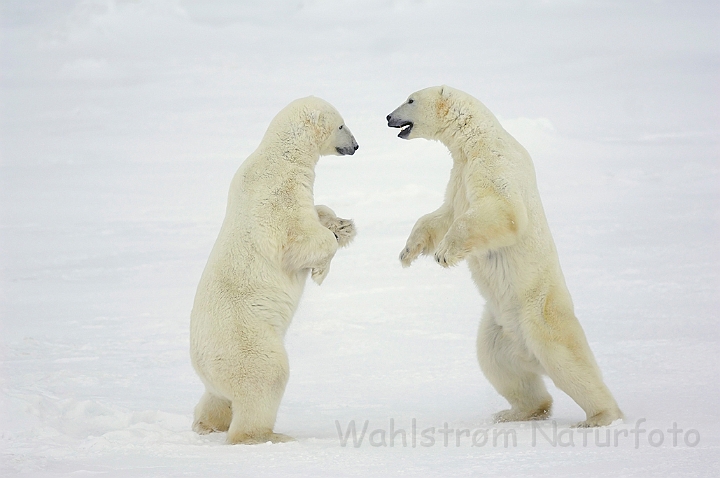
[493, 218]
[272, 237]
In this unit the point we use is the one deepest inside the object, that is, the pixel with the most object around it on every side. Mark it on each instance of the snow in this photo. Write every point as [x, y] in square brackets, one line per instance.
[123, 122]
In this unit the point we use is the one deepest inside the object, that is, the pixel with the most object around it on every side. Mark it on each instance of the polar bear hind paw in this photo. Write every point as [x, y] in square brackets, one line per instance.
[602, 419]
[202, 428]
[515, 415]
[251, 439]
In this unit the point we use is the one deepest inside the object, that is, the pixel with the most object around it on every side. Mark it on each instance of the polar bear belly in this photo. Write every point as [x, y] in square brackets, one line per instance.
[493, 275]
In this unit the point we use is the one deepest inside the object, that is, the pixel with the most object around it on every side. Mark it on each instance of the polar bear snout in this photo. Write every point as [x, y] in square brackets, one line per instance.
[395, 121]
[348, 145]
[341, 142]
[349, 149]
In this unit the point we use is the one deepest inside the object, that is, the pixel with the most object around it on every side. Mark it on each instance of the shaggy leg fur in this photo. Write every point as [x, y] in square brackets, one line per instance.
[565, 355]
[255, 401]
[516, 378]
[572, 368]
[254, 417]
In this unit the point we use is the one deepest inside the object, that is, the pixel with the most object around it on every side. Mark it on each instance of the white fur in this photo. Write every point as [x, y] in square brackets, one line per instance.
[493, 218]
[272, 237]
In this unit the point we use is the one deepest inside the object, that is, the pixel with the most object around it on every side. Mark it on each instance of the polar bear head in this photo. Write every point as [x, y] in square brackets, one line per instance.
[315, 124]
[340, 141]
[432, 112]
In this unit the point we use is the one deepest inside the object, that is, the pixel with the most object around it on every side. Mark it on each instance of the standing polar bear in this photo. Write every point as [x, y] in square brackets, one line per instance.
[493, 218]
[272, 237]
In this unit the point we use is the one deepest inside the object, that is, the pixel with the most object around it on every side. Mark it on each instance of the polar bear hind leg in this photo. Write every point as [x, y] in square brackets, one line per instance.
[562, 349]
[256, 396]
[244, 389]
[572, 368]
[254, 414]
[514, 377]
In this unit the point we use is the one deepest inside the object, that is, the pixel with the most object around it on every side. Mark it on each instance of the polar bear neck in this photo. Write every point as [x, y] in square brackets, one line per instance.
[468, 127]
[467, 137]
[288, 148]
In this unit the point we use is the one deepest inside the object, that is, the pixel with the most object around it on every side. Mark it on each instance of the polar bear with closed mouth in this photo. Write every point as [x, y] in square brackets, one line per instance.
[492, 217]
[272, 238]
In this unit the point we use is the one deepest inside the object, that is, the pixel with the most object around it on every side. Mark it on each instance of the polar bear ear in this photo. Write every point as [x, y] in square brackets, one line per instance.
[444, 91]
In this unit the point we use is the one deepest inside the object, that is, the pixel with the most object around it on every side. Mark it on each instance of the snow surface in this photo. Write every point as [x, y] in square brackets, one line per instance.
[123, 122]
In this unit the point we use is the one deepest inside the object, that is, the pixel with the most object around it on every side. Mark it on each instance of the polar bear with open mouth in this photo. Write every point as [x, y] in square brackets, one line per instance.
[492, 218]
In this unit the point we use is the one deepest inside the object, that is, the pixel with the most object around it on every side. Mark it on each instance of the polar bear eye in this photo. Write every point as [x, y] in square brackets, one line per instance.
[341, 126]
[410, 101]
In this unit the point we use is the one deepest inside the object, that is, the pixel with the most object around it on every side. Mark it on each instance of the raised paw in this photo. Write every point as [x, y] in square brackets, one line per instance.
[416, 244]
[448, 254]
[318, 274]
[344, 230]
[409, 254]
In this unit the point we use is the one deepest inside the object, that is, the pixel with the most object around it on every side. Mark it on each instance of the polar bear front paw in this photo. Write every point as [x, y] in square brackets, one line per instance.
[448, 254]
[409, 254]
[344, 230]
[318, 274]
[416, 244]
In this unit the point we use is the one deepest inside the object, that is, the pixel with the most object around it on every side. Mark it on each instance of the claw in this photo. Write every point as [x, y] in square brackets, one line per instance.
[442, 260]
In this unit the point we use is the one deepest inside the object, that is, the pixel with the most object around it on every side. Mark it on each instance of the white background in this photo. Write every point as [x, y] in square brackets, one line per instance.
[123, 122]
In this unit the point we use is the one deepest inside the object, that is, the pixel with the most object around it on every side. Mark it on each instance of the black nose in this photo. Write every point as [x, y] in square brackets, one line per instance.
[388, 117]
[356, 147]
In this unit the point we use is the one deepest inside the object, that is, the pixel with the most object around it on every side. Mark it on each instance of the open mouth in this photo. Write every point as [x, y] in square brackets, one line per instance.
[407, 126]
[404, 125]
